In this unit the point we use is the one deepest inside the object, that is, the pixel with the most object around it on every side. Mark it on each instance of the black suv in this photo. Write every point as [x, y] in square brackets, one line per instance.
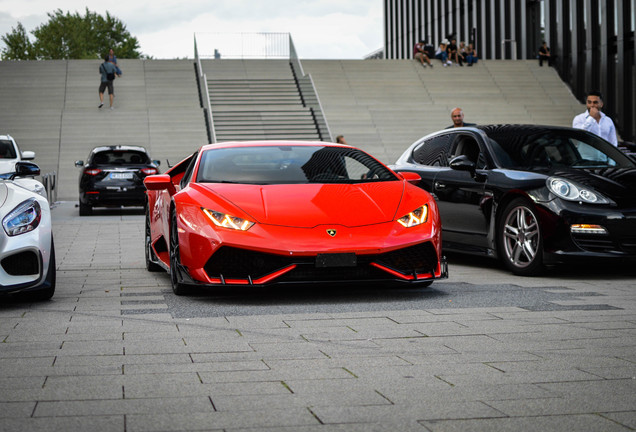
[113, 176]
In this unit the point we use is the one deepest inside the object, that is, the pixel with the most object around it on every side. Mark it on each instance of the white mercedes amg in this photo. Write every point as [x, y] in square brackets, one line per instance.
[27, 254]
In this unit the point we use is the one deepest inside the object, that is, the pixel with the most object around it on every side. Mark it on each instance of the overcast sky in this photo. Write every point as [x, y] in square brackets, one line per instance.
[320, 29]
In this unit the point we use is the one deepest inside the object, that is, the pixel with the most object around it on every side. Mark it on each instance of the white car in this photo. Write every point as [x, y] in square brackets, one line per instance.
[27, 254]
[10, 154]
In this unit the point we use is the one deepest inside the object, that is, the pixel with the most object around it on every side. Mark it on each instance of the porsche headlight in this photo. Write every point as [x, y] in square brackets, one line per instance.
[227, 221]
[570, 191]
[416, 217]
[22, 219]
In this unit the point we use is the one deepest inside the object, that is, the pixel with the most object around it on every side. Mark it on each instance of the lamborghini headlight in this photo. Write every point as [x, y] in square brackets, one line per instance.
[227, 221]
[416, 217]
[571, 191]
[24, 218]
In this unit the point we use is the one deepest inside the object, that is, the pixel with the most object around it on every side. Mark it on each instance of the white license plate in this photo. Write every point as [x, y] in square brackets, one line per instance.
[121, 176]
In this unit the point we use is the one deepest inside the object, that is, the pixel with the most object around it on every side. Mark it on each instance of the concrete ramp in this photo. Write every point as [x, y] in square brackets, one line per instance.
[383, 106]
[51, 108]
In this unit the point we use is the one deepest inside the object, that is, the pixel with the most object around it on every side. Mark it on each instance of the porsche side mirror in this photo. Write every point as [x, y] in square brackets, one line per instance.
[28, 155]
[462, 163]
[160, 182]
[79, 163]
[26, 169]
[411, 177]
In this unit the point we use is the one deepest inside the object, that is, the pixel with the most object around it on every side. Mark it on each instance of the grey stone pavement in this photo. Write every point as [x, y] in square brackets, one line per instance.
[110, 353]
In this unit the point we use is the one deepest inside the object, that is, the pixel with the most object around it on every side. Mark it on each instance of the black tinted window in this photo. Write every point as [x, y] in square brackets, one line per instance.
[468, 146]
[188, 172]
[433, 151]
[549, 148]
[119, 157]
[7, 150]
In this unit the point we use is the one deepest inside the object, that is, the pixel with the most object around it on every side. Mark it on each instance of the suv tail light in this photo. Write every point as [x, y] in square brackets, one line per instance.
[149, 171]
[92, 171]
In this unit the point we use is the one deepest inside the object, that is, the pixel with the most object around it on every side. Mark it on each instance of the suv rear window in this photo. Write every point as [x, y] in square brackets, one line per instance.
[119, 157]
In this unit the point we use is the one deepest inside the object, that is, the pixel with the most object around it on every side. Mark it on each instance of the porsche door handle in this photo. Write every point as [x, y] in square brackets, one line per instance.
[439, 185]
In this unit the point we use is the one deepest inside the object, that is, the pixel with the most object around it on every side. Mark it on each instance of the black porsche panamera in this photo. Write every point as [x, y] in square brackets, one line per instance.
[529, 195]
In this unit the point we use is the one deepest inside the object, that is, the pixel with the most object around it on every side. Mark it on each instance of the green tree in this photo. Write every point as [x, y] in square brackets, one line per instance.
[18, 46]
[72, 36]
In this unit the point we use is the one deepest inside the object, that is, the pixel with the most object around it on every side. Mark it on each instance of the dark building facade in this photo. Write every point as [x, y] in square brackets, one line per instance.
[592, 39]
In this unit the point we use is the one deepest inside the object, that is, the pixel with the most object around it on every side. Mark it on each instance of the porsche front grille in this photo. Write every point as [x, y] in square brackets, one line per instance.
[605, 244]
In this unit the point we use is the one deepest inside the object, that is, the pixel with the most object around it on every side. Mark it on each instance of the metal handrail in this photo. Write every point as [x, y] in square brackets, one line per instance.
[317, 106]
[49, 181]
[245, 45]
[204, 94]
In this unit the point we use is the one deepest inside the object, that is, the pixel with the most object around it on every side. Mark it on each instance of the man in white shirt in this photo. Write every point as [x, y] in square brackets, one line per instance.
[595, 121]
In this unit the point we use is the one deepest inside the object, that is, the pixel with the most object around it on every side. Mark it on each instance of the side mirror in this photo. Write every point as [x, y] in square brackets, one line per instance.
[79, 163]
[156, 162]
[28, 155]
[411, 177]
[26, 169]
[462, 163]
[160, 182]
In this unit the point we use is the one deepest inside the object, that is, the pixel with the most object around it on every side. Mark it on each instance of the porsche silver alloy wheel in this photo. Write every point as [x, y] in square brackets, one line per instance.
[521, 244]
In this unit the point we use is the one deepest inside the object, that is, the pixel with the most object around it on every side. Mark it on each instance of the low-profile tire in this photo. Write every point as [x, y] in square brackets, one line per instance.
[85, 209]
[151, 258]
[520, 239]
[178, 287]
[47, 292]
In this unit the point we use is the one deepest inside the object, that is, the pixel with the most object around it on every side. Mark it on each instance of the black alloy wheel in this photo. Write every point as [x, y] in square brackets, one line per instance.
[519, 238]
[178, 287]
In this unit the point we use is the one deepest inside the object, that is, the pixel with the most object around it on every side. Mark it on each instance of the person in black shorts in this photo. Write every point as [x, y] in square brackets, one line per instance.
[107, 71]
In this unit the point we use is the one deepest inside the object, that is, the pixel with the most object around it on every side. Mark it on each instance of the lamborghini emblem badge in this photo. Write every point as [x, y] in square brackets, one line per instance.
[331, 232]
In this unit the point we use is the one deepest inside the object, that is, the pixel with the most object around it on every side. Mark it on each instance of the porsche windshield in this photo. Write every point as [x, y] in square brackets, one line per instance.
[289, 165]
[550, 148]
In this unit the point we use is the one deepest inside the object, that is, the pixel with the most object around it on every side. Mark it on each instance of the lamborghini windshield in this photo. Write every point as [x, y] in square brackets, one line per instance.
[289, 165]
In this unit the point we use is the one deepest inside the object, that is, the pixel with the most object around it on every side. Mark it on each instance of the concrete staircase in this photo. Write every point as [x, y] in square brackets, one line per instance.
[384, 106]
[255, 100]
[51, 108]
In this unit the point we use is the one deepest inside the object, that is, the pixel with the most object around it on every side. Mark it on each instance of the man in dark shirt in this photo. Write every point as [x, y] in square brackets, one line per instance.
[457, 115]
[107, 71]
[544, 54]
[452, 52]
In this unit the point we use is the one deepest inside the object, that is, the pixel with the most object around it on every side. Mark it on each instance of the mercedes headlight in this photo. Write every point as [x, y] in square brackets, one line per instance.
[228, 221]
[571, 191]
[22, 219]
[414, 218]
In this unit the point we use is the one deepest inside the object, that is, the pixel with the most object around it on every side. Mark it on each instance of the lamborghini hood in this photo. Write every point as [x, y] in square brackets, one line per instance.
[310, 205]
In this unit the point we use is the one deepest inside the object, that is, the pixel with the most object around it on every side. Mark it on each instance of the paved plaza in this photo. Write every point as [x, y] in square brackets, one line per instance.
[115, 350]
